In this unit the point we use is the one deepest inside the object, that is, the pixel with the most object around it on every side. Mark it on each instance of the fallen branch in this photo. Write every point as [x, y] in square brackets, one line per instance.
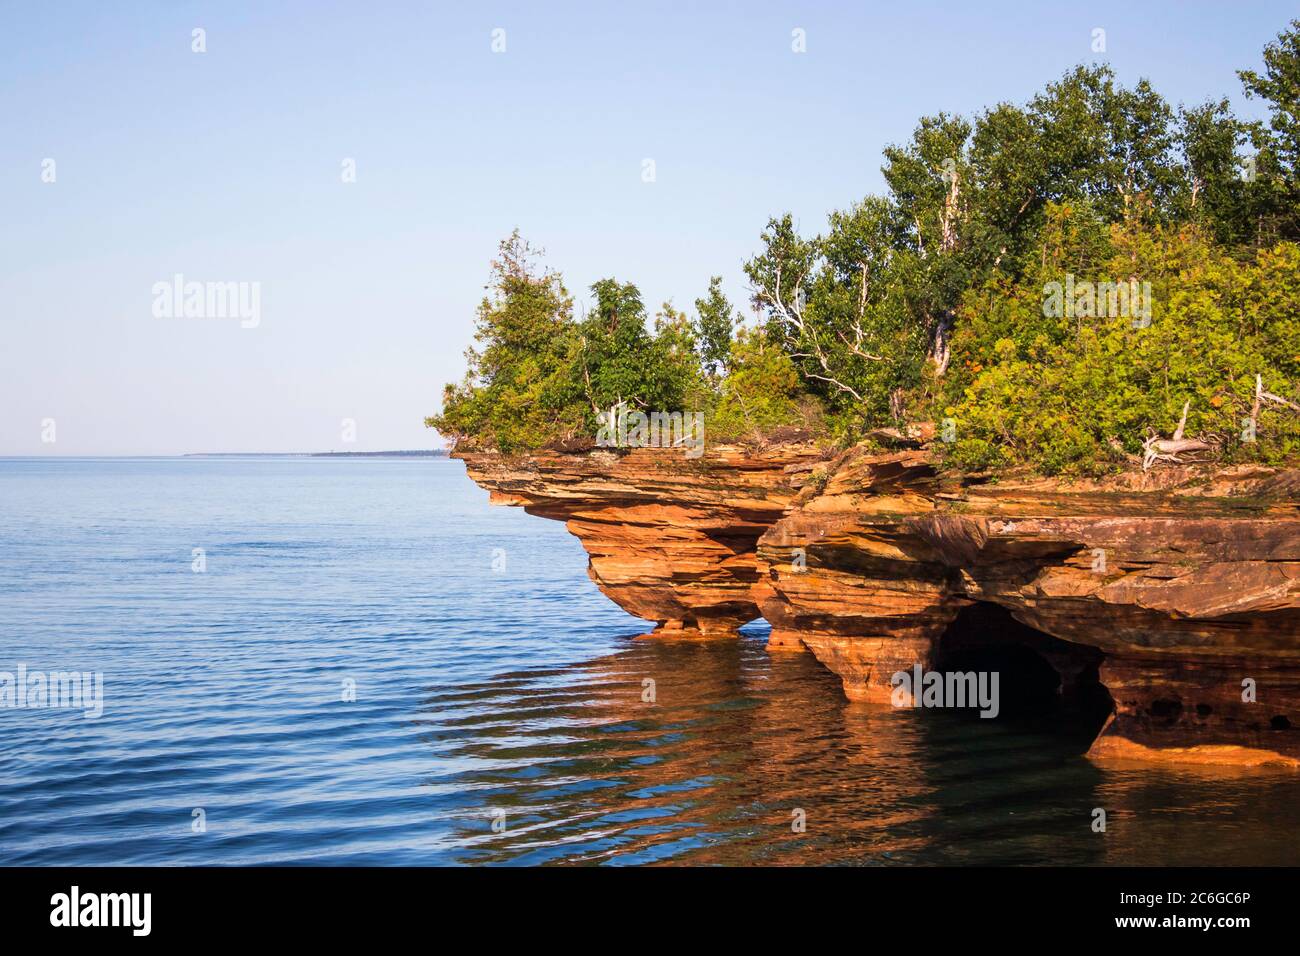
[1155, 448]
[1270, 397]
[1262, 396]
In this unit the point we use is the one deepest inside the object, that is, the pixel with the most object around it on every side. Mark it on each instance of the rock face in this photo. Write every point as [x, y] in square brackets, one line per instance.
[1182, 604]
[1169, 617]
[671, 539]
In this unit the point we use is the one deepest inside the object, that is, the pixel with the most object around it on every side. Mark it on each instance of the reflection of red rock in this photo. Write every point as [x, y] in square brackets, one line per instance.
[1187, 590]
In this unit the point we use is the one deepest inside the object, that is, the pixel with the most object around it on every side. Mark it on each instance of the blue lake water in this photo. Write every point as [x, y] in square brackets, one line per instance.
[360, 676]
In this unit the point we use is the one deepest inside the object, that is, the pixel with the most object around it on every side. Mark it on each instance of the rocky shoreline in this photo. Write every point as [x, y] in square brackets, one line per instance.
[1161, 610]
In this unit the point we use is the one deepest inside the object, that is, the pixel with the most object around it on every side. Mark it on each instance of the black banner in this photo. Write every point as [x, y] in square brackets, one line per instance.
[924, 904]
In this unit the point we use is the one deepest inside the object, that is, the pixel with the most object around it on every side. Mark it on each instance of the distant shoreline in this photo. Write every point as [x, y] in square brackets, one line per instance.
[436, 453]
[416, 453]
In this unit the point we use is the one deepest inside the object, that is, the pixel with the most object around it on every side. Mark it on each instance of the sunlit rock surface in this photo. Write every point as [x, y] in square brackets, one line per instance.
[671, 539]
[1168, 605]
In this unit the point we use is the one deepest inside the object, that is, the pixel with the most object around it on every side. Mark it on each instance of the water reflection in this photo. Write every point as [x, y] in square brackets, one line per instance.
[737, 741]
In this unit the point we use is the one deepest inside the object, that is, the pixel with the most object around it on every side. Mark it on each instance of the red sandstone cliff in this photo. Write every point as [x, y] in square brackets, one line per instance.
[1182, 602]
[671, 539]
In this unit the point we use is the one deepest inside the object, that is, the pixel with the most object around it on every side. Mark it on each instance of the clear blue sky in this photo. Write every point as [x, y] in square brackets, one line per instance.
[226, 165]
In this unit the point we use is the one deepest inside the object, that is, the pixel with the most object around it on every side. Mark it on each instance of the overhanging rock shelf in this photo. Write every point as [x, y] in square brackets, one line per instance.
[1181, 603]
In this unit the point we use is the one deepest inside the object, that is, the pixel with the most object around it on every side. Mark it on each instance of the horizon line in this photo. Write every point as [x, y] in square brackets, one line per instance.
[391, 453]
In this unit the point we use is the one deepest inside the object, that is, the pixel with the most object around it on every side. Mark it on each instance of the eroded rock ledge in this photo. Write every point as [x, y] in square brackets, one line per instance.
[1156, 605]
[671, 539]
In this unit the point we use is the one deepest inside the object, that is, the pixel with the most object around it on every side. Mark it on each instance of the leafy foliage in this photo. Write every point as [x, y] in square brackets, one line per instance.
[540, 377]
[518, 386]
[929, 301]
[714, 329]
[1278, 146]
[761, 392]
[1075, 395]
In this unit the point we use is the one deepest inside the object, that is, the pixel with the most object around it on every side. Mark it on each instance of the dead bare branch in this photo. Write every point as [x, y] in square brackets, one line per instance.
[1155, 448]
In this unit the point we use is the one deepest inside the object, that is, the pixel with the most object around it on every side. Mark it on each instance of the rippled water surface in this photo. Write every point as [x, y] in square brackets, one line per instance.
[482, 696]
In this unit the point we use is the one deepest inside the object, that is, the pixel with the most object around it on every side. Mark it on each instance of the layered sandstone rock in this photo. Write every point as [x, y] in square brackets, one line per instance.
[1173, 611]
[1183, 603]
[671, 539]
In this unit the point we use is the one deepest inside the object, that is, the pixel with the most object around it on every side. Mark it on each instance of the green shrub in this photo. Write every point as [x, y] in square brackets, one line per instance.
[760, 392]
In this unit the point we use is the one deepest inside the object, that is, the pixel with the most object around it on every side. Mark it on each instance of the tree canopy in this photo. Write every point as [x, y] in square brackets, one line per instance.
[1054, 280]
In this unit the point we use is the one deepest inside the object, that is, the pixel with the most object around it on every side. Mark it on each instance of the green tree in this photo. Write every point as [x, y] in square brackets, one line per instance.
[516, 392]
[930, 300]
[621, 362]
[838, 308]
[760, 393]
[714, 328]
[1216, 194]
[1277, 160]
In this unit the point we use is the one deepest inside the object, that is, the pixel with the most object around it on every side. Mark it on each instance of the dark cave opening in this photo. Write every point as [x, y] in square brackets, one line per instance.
[1044, 684]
